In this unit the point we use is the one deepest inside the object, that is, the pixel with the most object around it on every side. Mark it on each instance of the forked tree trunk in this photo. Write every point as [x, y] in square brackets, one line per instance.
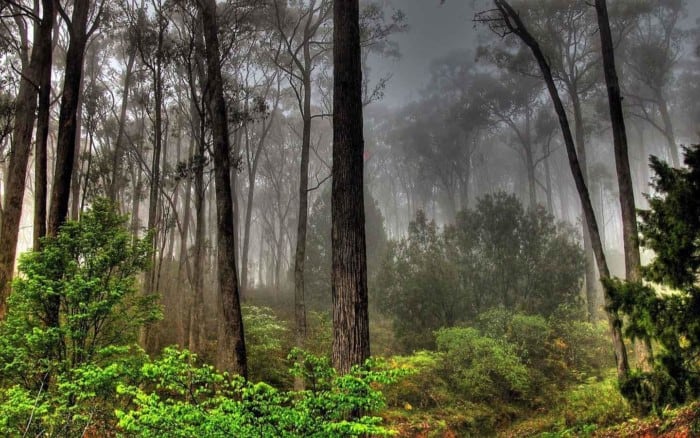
[349, 260]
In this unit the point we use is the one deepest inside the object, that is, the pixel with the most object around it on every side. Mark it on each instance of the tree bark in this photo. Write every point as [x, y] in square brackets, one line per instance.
[300, 254]
[118, 145]
[630, 234]
[67, 119]
[42, 128]
[25, 107]
[514, 23]
[231, 348]
[349, 260]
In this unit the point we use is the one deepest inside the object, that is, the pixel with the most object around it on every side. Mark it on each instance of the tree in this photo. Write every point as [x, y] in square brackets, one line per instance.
[650, 54]
[231, 348]
[671, 228]
[496, 255]
[349, 264]
[300, 57]
[504, 20]
[318, 254]
[32, 84]
[633, 264]
[90, 270]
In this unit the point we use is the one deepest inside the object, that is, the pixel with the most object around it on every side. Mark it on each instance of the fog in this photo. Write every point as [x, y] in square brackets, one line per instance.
[172, 172]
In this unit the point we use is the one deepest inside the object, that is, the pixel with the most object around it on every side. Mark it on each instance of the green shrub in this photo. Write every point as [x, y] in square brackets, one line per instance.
[181, 399]
[425, 388]
[597, 402]
[73, 315]
[267, 340]
[482, 368]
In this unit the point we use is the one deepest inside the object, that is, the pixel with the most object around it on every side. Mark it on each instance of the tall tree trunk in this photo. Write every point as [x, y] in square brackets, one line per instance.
[197, 320]
[630, 235]
[67, 119]
[136, 203]
[231, 348]
[25, 107]
[548, 181]
[252, 172]
[117, 155]
[515, 24]
[184, 263]
[153, 196]
[77, 163]
[42, 126]
[67, 128]
[300, 254]
[591, 279]
[668, 130]
[349, 258]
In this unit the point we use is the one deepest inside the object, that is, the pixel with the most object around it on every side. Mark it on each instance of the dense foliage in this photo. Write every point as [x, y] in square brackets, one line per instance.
[505, 366]
[73, 318]
[495, 255]
[317, 273]
[181, 399]
[671, 228]
[83, 374]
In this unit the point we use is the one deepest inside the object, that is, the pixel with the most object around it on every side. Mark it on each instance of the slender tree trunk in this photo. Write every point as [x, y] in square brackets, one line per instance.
[77, 163]
[300, 254]
[184, 264]
[67, 128]
[548, 182]
[42, 126]
[512, 19]
[26, 103]
[136, 203]
[67, 119]
[153, 197]
[349, 259]
[115, 181]
[197, 321]
[668, 130]
[591, 277]
[633, 263]
[231, 351]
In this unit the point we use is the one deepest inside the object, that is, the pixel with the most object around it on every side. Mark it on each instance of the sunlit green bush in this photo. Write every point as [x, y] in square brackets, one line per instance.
[182, 399]
[74, 314]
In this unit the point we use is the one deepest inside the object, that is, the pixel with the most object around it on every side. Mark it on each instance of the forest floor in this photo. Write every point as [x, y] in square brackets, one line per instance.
[682, 422]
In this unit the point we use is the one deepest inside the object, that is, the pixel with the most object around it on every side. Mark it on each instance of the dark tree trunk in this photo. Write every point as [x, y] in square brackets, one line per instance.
[67, 129]
[300, 254]
[153, 196]
[42, 128]
[26, 103]
[630, 235]
[67, 119]
[231, 349]
[197, 320]
[183, 266]
[349, 259]
[513, 21]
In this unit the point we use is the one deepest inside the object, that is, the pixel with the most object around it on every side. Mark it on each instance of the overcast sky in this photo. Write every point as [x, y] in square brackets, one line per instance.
[436, 29]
